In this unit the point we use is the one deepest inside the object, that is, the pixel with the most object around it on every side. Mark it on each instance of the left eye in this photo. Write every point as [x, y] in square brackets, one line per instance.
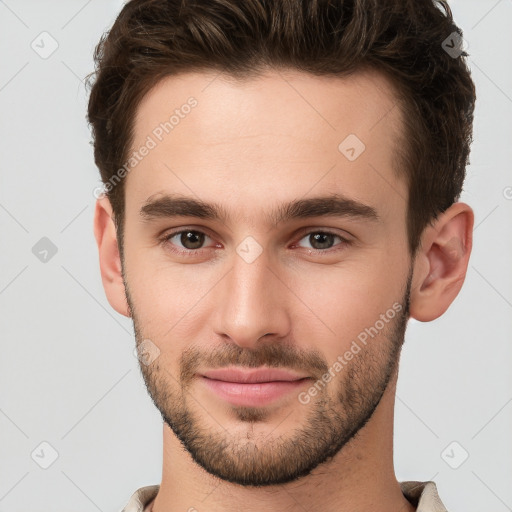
[321, 240]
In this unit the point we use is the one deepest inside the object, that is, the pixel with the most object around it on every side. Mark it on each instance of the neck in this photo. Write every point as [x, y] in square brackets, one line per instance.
[358, 478]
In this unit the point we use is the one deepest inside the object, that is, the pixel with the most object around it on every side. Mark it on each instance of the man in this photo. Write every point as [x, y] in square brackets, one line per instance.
[281, 195]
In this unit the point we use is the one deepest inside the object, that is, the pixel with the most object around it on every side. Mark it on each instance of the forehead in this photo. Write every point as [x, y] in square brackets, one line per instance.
[274, 101]
[283, 129]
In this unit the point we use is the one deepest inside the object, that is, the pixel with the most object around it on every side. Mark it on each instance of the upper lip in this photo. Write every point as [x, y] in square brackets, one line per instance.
[250, 376]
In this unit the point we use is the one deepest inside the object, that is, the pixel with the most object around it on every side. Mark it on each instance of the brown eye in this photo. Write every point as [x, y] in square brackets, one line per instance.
[186, 240]
[322, 240]
[192, 239]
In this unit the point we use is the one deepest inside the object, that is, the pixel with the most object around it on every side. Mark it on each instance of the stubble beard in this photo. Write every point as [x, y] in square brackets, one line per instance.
[250, 457]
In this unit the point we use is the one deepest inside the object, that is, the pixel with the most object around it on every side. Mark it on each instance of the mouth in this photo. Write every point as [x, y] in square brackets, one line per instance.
[254, 388]
[259, 375]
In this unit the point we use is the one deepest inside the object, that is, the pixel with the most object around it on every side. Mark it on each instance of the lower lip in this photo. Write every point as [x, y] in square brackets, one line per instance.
[254, 394]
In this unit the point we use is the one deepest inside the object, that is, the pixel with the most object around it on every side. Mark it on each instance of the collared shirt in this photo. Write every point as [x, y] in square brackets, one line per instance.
[422, 495]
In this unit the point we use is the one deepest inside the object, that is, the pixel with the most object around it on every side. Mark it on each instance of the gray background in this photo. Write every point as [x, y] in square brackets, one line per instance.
[68, 375]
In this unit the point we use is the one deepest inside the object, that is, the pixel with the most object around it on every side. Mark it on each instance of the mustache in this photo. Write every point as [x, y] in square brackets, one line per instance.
[275, 355]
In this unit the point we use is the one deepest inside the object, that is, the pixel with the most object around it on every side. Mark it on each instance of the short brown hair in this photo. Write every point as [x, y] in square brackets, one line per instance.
[407, 40]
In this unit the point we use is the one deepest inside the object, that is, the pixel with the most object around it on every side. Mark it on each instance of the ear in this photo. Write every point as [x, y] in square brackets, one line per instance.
[441, 262]
[110, 260]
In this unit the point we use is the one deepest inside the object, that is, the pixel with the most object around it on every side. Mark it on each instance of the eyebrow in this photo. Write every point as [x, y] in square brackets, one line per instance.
[334, 205]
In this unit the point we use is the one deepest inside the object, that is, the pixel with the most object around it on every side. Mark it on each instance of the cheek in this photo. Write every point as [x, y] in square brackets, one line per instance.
[160, 287]
[169, 302]
[341, 304]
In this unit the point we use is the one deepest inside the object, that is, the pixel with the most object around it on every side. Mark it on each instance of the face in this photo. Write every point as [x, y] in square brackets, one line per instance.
[257, 235]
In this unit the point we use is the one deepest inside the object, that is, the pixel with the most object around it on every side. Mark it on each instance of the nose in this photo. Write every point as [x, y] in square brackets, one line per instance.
[252, 302]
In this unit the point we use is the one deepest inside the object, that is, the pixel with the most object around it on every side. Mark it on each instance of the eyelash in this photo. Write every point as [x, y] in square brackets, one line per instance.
[195, 252]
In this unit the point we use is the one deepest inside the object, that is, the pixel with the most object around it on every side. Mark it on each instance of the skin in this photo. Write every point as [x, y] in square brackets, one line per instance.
[251, 146]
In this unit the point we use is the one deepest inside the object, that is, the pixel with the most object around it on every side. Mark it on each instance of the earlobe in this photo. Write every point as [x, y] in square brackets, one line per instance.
[109, 257]
[441, 263]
